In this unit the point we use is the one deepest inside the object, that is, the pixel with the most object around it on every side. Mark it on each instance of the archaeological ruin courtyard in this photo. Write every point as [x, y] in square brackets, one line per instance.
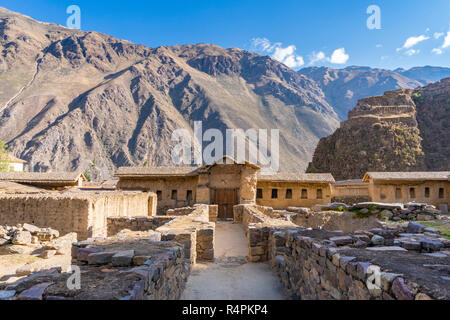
[224, 232]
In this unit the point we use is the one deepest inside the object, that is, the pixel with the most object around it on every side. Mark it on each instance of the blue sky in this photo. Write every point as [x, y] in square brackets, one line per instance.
[298, 33]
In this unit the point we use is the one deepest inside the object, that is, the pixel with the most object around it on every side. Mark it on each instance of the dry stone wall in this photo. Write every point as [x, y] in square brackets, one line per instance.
[310, 269]
[112, 269]
[116, 225]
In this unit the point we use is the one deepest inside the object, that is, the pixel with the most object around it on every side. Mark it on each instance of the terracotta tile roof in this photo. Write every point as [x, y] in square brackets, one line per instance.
[298, 177]
[408, 176]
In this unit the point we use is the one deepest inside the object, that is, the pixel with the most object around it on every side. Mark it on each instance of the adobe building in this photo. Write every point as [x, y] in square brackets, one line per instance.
[48, 180]
[225, 183]
[294, 189]
[402, 187]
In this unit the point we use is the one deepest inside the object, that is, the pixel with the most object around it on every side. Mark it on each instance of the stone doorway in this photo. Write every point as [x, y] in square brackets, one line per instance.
[226, 199]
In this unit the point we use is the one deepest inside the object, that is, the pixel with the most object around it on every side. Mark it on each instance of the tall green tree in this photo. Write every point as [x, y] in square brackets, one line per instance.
[4, 165]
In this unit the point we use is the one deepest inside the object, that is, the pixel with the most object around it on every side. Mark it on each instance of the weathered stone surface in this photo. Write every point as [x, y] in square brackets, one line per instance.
[83, 253]
[35, 292]
[414, 227]
[401, 290]
[99, 258]
[342, 241]
[7, 294]
[410, 245]
[30, 228]
[390, 248]
[21, 238]
[47, 254]
[24, 271]
[123, 258]
[422, 296]
[377, 240]
[386, 214]
[430, 245]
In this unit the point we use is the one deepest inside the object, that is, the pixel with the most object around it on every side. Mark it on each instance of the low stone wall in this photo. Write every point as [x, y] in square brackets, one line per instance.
[350, 199]
[310, 270]
[335, 220]
[85, 213]
[180, 211]
[194, 231]
[258, 221]
[136, 270]
[116, 225]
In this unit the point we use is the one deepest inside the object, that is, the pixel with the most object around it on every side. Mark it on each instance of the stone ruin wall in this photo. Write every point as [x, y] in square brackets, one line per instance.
[138, 270]
[310, 271]
[193, 227]
[117, 224]
[86, 213]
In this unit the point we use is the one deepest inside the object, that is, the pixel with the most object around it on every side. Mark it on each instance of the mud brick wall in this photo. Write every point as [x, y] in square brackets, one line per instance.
[85, 213]
[310, 271]
[115, 225]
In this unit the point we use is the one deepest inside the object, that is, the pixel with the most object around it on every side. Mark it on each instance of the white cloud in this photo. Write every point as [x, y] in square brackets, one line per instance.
[446, 41]
[412, 41]
[339, 56]
[379, 45]
[437, 51]
[317, 56]
[412, 52]
[286, 55]
[437, 35]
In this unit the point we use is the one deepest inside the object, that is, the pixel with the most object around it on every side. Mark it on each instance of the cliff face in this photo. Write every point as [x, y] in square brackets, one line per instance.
[73, 100]
[403, 130]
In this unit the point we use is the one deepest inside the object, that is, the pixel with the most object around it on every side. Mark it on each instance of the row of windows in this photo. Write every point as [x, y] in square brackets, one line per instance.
[174, 195]
[412, 193]
[288, 195]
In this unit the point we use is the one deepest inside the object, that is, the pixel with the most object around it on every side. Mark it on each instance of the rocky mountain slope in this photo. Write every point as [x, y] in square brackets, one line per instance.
[403, 130]
[73, 100]
[426, 74]
[344, 87]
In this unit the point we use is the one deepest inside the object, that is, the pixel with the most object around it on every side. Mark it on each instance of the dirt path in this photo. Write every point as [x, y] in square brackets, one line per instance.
[230, 277]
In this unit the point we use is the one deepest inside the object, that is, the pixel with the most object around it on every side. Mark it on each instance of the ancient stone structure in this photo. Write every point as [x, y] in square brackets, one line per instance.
[112, 269]
[85, 213]
[313, 266]
[226, 184]
[402, 187]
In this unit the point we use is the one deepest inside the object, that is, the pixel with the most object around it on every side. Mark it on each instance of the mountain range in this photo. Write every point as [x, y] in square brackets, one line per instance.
[73, 100]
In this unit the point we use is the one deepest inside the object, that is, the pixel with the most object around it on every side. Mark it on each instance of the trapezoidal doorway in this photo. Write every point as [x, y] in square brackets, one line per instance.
[226, 199]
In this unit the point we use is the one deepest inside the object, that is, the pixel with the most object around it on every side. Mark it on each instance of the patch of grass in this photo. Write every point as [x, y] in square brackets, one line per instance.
[443, 227]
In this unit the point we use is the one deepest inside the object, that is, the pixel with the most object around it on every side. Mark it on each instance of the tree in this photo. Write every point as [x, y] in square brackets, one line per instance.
[4, 157]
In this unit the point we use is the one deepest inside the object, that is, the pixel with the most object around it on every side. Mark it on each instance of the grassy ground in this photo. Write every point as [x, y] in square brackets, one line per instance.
[442, 225]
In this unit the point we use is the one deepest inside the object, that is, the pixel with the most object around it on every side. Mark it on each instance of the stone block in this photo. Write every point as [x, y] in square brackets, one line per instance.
[123, 258]
[100, 258]
[401, 290]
